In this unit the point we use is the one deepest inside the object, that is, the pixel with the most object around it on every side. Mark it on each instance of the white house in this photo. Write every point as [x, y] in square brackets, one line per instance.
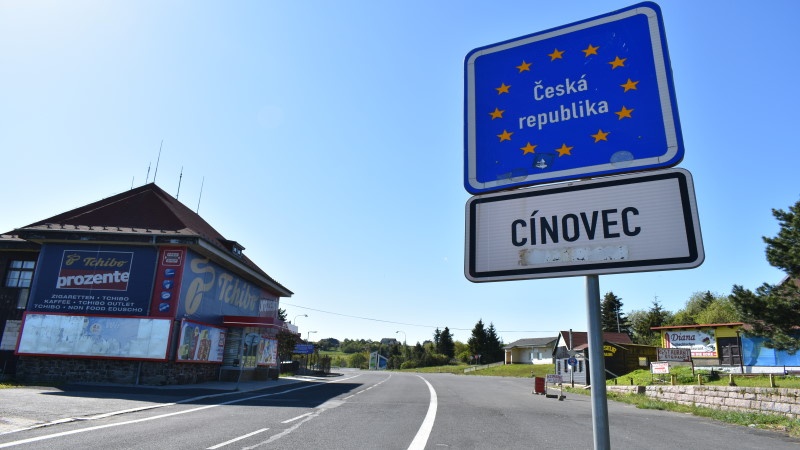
[530, 351]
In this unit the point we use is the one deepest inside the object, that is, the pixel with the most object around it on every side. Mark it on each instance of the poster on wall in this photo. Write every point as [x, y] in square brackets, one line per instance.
[93, 279]
[200, 342]
[95, 336]
[702, 344]
[268, 352]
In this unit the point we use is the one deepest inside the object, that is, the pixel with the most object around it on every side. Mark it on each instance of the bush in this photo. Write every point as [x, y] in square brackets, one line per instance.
[409, 365]
[358, 361]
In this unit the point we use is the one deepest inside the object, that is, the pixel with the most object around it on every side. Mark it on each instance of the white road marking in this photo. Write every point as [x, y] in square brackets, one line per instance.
[298, 417]
[147, 419]
[424, 432]
[237, 439]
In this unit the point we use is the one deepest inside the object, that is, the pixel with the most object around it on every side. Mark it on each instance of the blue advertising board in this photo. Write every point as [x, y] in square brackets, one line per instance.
[590, 98]
[93, 279]
[208, 293]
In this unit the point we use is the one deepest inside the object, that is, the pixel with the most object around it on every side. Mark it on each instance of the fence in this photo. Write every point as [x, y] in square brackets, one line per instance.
[484, 366]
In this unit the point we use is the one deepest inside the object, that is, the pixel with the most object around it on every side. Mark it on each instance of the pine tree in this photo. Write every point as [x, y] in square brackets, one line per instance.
[494, 347]
[774, 310]
[611, 316]
[446, 345]
[477, 341]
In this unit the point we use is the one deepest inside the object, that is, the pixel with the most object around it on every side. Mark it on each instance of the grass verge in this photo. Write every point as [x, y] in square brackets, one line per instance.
[772, 422]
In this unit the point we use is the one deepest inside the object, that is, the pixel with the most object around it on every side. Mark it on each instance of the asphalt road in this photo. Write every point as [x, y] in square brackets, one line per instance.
[387, 410]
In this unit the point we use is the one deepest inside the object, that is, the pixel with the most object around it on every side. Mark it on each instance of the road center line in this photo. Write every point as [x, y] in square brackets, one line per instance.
[296, 418]
[238, 439]
[421, 439]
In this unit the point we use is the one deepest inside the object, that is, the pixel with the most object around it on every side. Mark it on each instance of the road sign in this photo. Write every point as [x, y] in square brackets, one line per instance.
[628, 223]
[591, 98]
[303, 349]
[572, 362]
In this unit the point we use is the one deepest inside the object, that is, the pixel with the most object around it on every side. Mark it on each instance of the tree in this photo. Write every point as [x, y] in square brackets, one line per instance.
[493, 352]
[774, 310]
[477, 341]
[642, 321]
[611, 316]
[705, 308]
[446, 346]
[286, 343]
[282, 314]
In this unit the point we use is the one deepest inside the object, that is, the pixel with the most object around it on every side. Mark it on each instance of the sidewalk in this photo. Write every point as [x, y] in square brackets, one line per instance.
[30, 407]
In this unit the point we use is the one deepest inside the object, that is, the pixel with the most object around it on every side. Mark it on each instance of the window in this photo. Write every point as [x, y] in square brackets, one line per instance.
[20, 274]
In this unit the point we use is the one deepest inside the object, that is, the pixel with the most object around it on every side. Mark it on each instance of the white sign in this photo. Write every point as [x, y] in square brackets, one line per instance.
[552, 379]
[630, 223]
[659, 367]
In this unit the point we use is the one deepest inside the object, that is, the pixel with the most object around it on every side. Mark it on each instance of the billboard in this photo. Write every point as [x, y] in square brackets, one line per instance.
[208, 292]
[93, 279]
[200, 342]
[701, 343]
[95, 336]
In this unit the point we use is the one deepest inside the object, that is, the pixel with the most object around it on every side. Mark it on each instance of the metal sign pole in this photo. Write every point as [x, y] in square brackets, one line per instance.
[597, 366]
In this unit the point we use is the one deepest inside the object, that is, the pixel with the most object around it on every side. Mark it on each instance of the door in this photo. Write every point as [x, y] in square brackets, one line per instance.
[730, 351]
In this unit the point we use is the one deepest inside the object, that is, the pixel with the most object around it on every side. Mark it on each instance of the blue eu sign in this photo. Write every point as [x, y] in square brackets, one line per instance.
[586, 99]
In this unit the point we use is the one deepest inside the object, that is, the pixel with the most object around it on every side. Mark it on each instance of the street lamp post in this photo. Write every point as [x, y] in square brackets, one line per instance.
[308, 335]
[299, 315]
[404, 341]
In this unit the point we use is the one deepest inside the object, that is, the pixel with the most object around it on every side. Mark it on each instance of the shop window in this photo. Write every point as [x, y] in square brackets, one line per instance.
[20, 275]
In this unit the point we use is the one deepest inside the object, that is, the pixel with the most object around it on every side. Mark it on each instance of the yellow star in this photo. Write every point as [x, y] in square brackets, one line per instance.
[556, 55]
[617, 62]
[506, 136]
[497, 114]
[528, 148]
[590, 50]
[600, 136]
[502, 89]
[524, 66]
[630, 85]
[624, 112]
[564, 150]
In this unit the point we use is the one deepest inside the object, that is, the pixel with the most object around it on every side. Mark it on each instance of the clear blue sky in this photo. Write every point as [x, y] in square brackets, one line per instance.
[329, 136]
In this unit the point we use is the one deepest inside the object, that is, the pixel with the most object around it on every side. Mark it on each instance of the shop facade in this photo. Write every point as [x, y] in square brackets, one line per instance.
[728, 347]
[137, 288]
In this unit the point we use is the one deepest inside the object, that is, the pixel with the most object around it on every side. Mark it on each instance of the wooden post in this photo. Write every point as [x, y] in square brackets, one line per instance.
[771, 380]
[700, 379]
[730, 380]
[673, 379]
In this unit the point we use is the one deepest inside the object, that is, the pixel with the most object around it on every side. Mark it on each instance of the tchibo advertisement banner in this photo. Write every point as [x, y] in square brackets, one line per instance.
[209, 292]
[93, 279]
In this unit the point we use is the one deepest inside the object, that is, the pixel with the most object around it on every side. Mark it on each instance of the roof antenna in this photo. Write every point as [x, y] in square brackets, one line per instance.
[201, 195]
[179, 184]
[132, 178]
[148, 172]
[159, 159]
